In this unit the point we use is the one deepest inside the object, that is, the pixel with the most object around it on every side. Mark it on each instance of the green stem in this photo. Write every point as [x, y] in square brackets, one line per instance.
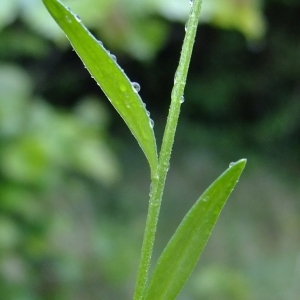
[158, 181]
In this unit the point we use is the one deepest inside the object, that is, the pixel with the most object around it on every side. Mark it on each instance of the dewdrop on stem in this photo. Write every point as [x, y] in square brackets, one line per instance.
[136, 87]
[78, 18]
[151, 123]
[113, 57]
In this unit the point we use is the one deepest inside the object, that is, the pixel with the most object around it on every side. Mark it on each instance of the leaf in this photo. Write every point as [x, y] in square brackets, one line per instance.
[183, 250]
[109, 76]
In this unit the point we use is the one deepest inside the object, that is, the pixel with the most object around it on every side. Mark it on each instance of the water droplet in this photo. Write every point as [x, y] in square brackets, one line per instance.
[113, 57]
[68, 8]
[136, 87]
[191, 2]
[148, 113]
[231, 164]
[100, 43]
[151, 123]
[77, 18]
[186, 26]
[182, 99]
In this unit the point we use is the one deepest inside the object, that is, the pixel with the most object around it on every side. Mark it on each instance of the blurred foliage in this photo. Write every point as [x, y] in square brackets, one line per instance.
[43, 154]
[40, 140]
[217, 283]
[135, 26]
[71, 224]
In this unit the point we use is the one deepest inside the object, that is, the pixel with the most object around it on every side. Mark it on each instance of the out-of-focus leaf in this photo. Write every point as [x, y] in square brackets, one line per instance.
[8, 11]
[245, 15]
[15, 88]
[146, 37]
[16, 43]
[9, 233]
[42, 143]
[217, 282]
[93, 11]
[183, 250]
[109, 76]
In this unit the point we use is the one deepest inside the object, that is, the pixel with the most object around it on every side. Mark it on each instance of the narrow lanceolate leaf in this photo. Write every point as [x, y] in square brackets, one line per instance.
[121, 92]
[183, 250]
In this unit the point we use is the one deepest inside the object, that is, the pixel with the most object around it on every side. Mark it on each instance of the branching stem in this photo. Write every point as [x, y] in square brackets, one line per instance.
[158, 181]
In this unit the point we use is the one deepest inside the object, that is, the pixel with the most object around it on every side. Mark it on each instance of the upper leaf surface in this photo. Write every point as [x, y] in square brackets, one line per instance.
[109, 76]
[183, 250]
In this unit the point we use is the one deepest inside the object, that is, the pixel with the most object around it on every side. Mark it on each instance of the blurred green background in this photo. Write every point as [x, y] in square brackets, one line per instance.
[74, 184]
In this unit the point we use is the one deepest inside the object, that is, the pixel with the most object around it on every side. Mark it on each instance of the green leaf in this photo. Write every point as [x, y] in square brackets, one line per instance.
[109, 76]
[183, 250]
